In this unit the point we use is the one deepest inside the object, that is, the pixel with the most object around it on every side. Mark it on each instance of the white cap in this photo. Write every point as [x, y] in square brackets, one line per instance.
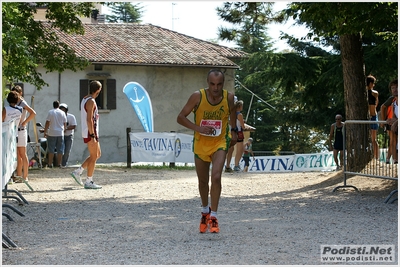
[63, 105]
[250, 139]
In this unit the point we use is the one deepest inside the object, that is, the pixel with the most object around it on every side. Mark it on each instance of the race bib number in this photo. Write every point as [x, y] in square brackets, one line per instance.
[216, 124]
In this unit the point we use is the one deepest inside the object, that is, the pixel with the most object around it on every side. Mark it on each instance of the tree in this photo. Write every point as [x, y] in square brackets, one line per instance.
[285, 80]
[351, 22]
[26, 43]
[124, 12]
[308, 81]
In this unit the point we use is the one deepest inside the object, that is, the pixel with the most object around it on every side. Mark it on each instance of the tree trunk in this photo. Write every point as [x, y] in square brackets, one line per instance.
[356, 104]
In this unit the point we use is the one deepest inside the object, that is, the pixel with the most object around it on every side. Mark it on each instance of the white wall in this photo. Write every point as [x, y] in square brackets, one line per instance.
[168, 87]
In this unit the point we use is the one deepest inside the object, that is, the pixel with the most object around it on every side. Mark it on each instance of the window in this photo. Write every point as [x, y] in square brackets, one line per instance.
[108, 95]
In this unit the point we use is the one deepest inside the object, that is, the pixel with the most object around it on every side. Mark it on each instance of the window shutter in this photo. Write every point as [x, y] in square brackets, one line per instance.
[83, 90]
[111, 94]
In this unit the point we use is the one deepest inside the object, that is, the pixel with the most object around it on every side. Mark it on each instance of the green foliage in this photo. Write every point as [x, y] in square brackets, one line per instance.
[249, 19]
[26, 43]
[306, 85]
[124, 12]
[329, 19]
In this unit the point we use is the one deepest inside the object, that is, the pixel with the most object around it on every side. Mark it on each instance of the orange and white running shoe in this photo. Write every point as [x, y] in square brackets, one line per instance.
[205, 218]
[214, 228]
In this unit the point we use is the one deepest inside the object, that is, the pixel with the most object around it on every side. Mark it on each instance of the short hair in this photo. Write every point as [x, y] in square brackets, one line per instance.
[12, 97]
[94, 86]
[370, 79]
[56, 104]
[216, 72]
[18, 89]
[394, 82]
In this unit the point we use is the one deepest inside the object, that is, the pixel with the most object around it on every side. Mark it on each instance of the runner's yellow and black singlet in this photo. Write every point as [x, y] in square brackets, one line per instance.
[216, 116]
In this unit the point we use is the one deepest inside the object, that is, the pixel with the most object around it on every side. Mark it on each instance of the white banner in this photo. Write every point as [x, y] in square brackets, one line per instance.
[176, 147]
[292, 163]
[162, 147]
[9, 150]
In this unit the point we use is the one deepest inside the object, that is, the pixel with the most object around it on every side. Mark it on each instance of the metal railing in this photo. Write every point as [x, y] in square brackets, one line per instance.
[375, 168]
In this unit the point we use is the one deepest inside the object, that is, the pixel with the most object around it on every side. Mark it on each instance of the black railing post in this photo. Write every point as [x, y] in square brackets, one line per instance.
[128, 149]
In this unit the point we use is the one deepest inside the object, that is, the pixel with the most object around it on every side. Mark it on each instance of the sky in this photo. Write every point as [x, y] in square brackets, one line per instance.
[199, 19]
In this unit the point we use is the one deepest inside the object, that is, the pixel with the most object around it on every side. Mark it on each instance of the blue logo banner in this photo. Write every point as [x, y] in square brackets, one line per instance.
[141, 104]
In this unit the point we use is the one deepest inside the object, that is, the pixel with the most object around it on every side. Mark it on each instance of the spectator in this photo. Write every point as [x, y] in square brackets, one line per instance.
[230, 152]
[247, 150]
[213, 108]
[22, 156]
[336, 134]
[68, 134]
[240, 135]
[373, 99]
[387, 114]
[393, 121]
[56, 122]
[14, 112]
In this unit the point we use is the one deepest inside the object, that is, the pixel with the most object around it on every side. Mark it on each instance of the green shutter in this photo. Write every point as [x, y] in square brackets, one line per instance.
[111, 94]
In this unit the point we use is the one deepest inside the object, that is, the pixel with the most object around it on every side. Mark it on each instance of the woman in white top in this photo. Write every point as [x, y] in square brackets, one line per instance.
[22, 156]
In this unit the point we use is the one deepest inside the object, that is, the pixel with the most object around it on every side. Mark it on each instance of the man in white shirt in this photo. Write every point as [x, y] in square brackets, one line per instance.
[68, 134]
[56, 122]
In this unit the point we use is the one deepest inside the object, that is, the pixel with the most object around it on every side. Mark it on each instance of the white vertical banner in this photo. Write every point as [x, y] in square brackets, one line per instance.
[161, 147]
[9, 150]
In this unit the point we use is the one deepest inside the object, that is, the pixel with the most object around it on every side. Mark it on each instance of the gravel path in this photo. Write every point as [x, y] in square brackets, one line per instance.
[151, 217]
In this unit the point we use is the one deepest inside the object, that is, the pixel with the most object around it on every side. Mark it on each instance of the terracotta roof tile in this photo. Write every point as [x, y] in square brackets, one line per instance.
[147, 44]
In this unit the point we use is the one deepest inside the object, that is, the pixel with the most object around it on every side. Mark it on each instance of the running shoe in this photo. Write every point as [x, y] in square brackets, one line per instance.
[214, 228]
[77, 177]
[91, 185]
[236, 169]
[228, 169]
[205, 217]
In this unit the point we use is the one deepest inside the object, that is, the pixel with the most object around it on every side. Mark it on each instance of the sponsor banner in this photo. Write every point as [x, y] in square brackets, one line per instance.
[175, 147]
[162, 147]
[141, 104]
[291, 163]
[358, 253]
[9, 150]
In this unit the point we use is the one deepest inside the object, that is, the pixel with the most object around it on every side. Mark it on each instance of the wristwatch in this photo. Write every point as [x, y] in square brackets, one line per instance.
[92, 135]
[234, 129]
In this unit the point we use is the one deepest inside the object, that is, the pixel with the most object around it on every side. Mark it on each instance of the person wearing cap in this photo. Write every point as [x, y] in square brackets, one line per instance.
[247, 150]
[68, 134]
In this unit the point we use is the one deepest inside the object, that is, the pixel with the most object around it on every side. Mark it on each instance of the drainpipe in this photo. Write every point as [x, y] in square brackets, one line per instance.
[59, 86]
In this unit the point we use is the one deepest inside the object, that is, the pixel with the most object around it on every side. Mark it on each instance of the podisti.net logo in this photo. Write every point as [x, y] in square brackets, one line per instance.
[357, 253]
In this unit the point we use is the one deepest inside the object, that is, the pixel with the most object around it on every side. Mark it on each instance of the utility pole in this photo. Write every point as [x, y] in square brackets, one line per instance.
[173, 18]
